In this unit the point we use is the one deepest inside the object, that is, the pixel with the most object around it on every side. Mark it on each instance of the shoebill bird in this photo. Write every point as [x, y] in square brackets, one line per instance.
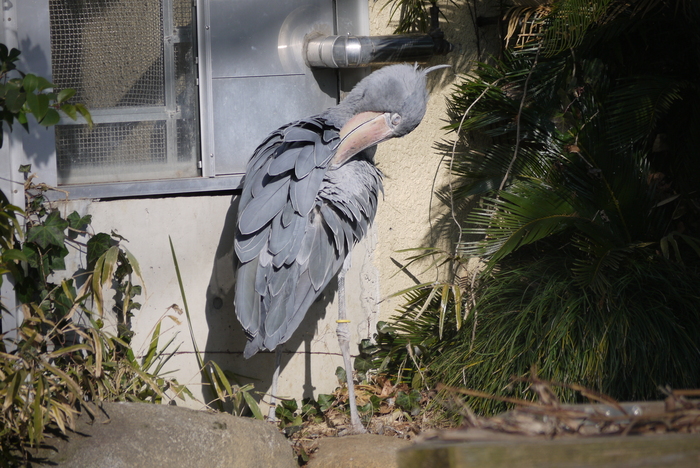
[309, 195]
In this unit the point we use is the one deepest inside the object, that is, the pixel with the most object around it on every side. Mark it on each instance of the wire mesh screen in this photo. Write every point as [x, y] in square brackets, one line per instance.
[132, 64]
[111, 149]
[110, 51]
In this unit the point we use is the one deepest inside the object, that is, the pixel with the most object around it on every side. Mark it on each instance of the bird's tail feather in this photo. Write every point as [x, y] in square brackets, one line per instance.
[253, 346]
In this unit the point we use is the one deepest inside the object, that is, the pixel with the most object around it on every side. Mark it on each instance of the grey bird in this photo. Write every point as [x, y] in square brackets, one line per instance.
[309, 194]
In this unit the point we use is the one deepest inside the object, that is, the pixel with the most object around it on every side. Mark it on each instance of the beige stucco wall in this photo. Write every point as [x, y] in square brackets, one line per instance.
[201, 228]
[413, 168]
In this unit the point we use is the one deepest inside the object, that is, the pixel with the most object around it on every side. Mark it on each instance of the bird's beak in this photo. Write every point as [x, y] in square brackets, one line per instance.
[362, 131]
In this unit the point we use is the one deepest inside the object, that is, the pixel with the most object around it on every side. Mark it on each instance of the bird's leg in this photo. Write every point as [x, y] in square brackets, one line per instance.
[273, 390]
[343, 333]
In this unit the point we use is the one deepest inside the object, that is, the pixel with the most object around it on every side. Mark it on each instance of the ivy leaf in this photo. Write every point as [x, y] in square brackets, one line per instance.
[325, 401]
[75, 221]
[341, 374]
[31, 255]
[289, 405]
[57, 258]
[385, 327]
[284, 415]
[409, 402]
[362, 364]
[96, 247]
[51, 231]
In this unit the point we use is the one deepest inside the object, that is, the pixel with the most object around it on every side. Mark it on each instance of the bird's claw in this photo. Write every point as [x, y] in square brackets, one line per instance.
[353, 430]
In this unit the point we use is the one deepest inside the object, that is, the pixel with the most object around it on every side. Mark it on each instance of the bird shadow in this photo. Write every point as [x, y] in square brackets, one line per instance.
[226, 339]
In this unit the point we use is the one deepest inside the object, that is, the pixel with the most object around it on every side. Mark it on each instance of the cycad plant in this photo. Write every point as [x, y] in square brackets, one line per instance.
[589, 214]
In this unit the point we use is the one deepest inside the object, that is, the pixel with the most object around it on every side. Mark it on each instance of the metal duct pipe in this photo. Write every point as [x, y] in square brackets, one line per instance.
[361, 51]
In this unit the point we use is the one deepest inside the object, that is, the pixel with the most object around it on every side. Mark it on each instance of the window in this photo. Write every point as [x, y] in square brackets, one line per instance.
[132, 63]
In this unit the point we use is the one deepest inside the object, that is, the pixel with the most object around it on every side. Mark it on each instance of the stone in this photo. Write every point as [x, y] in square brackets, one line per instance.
[361, 451]
[140, 435]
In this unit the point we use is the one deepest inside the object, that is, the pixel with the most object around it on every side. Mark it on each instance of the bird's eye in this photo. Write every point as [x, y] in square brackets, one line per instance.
[395, 119]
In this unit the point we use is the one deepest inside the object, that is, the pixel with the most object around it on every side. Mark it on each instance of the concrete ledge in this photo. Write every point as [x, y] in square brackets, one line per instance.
[677, 450]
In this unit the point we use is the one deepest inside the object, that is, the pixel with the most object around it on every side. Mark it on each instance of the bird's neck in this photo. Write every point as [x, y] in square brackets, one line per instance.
[343, 112]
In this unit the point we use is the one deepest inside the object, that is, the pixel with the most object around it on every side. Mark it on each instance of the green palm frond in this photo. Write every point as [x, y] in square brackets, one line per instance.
[515, 220]
[562, 25]
[644, 7]
[569, 21]
[592, 269]
[413, 15]
[636, 105]
[421, 329]
[484, 170]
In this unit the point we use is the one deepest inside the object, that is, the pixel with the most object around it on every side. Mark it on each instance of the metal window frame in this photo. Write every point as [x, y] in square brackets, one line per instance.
[206, 94]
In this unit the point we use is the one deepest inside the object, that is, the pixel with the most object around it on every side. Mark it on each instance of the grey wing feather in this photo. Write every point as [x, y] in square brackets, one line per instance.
[278, 238]
[302, 193]
[287, 214]
[307, 132]
[287, 255]
[306, 161]
[248, 247]
[276, 283]
[336, 227]
[307, 245]
[320, 262]
[284, 161]
[246, 299]
[262, 209]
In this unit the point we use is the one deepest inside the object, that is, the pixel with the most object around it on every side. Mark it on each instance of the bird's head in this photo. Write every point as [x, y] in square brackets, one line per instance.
[389, 103]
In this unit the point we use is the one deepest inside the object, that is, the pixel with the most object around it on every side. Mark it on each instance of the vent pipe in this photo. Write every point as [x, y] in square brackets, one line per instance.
[361, 51]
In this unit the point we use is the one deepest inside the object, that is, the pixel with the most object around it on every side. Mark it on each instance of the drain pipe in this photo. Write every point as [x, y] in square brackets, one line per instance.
[361, 51]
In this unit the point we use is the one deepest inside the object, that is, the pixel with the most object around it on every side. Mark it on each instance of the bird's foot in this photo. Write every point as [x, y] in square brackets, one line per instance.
[351, 429]
[356, 426]
[357, 430]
